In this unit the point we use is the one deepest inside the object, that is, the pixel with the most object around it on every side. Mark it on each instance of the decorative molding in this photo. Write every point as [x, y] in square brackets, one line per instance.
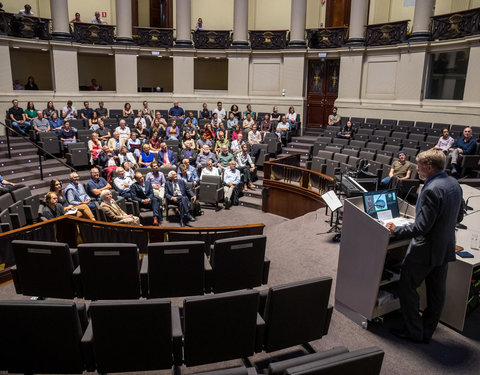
[456, 25]
[153, 37]
[386, 33]
[276, 39]
[92, 33]
[211, 39]
[331, 37]
[25, 27]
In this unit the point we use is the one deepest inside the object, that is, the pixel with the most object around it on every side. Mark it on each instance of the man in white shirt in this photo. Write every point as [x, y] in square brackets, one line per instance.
[282, 128]
[445, 141]
[69, 112]
[97, 20]
[122, 183]
[123, 132]
[220, 111]
[209, 170]
[237, 143]
[231, 179]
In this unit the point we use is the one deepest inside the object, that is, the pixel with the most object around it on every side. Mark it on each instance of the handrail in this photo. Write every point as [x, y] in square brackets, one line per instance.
[40, 154]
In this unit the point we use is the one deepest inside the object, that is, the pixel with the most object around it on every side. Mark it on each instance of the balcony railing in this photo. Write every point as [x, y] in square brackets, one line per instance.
[386, 33]
[153, 37]
[456, 25]
[211, 39]
[329, 37]
[92, 33]
[273, 39]
[24, 26]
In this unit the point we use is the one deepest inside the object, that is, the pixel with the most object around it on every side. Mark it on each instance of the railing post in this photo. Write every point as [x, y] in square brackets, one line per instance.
[40, 162]
[8, 144]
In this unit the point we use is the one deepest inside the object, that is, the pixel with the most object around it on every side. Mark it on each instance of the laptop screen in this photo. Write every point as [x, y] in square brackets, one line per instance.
[381, 204]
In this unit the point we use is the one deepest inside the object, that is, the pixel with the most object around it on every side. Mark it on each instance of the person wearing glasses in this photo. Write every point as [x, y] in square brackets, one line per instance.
[76, 194]
[464, 145]
[82, 210]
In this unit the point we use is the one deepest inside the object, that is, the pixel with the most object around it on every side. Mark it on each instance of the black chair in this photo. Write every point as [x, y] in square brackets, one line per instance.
[417, 137]
[296, 313]
[42, 337]
[367, 155]
[77, 155]
[318, 164]
[375, 146]
[377, 138]
[174, 269]
[350, 152]
[134, 335]
[389, 122]
[434, 131]
[384, 133]
[357, 120]
[440, 125]
[384, 159]
[43, 269]
[317, 146]
[386, 127]
[407, 123]
[358, 143]
[365, 131]
[108, 271]
[17, 215]
[341, 141]
[334, 148]
[411, 143]
[30, 204]
[221, 327]
[239, 263]
[372, 121]
[211, 190]
[362, 137]
[49, 142]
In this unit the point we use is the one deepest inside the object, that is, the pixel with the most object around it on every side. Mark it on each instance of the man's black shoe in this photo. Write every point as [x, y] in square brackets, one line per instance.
[402, 334]
[228, 203]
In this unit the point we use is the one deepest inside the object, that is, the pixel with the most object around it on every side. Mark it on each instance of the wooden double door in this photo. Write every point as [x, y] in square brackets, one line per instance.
[322, 90]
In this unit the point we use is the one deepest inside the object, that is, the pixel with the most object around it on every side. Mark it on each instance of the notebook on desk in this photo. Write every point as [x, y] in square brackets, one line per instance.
[383, 206]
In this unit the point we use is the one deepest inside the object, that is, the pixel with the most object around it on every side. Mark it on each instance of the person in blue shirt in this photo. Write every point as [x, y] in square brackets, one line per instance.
[176, 112]
[464, 145]
[96, 184]
[188, 173]
[231, 179]
[193, 119]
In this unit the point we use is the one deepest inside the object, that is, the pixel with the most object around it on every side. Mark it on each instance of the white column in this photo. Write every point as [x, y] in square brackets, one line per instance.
[126, 72]
[59, 11]
[298, 16]
[183, 39]
[64, 69]
[358, 20]
[238, 72]
[421, 20]
[6, 83]
[124, 21]
[240, 24]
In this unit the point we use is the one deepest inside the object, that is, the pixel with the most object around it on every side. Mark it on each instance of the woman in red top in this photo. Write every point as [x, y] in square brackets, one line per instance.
[236, 132]
[209, 132]
[94, 146]
[154, 142]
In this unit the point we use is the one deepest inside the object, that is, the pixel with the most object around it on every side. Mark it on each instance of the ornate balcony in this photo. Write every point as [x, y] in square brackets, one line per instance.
[456, 25]
[386, 33]
[329, 37]
[92, 33]
[25, 27]
[153, 37]
[211, 39]
[268, 39]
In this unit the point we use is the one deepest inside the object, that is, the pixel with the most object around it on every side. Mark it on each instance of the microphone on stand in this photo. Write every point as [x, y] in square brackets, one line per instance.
[406, 197]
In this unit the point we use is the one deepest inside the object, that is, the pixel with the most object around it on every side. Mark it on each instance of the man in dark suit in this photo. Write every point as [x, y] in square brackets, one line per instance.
[142, 192]
[438, 210]
[177, 192]
[165, 157]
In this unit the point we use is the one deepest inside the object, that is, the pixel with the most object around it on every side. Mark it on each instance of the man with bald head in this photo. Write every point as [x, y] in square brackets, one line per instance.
[176, 112]
[224, 159]
[177, 192]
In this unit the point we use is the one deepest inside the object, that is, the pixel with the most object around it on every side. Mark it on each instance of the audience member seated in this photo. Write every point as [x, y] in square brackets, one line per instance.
[221, 128]
[94, 147]
[189, 128]
[220, 111]
[155, 142]
[122, 183]
[236, 132]
[401, 170]
[127, 111]
[76, 19]
[216, 121]
[157, 180]
[248, 123]
[249, 111]
[31, 85]
[102, 112]
[146, 157]
[204, 156]
[209, 132]
[275, 116]
[347, 131]
[232, 121]
[114, 143]
[231, 179]
[464, 145]
[103, 133]
[129, 171]
[75, 193]
[237, 143]
[221, 141]
[69, 112]
[113, 212]
[96, 184]
[192, 119]
[30, 112]
[177, 192]
[188, 173]
[187, 139]
[108, 161]
[134, 144]
[67, 134]
[56, 123]
[95, 86]
[282, 128]
[83, 211]
[205, 113]
[97, 20]
[17, 85]
[47, 112]
[254, 139]
[209, 170]
[125, 156]
[246, 167]
[189, 152]
[203, 141]
[52, 208]
[234, 109]
[142, 192]
[7, 186]
[166, 157]
[224, 159]
[161, 120]
[140, 120]
[334, 118]
[173, 131]
[86, 113]
[123, 131]
[146, 112]
[291, 117]
[445, 142]
[93, 122]
[26, 11]
[18, 117]
[40, 124]
[176, 112]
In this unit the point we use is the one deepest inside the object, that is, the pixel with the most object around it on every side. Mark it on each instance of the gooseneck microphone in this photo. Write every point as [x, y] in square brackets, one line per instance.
[406, 197]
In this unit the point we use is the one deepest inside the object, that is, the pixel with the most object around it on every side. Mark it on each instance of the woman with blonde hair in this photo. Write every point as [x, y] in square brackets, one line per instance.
[83, 211]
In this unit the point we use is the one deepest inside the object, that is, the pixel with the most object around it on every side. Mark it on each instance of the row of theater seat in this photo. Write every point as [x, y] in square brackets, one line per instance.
[98, 271]
[18, 208]
[121, 336]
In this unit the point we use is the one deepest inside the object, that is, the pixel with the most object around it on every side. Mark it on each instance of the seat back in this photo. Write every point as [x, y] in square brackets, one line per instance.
[238, 263]
[217, 180]
[176, 269]
[6, 201]
[20, 194]
[109, 271]
[131, 335]
[18, 214]
[44, 269]
[232, 328]
[296, 313]
[350, 152]
[40, 337]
